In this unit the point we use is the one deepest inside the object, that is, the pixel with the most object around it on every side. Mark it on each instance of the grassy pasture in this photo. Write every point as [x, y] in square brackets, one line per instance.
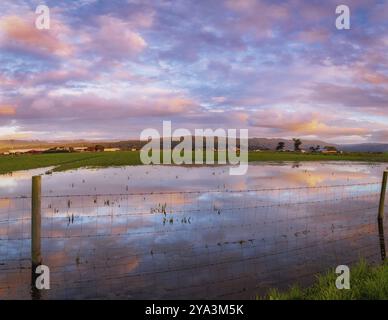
[68, 161]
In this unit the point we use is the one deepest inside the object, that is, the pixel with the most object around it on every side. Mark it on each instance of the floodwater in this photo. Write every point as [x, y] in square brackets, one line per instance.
[167, 232]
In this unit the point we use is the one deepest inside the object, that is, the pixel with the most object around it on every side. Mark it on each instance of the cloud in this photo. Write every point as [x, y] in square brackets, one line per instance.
[380, 136]
[115, 38]
[278, 68]
[61, 76]
[7, 110]
[374, 78]
[304, 124]
[374, 99]
[310, 36]
[88, 107]
[20, 33]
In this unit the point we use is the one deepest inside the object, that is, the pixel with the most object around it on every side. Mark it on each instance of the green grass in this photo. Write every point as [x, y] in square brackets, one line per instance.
[294, 156]
[366, 283]
[67, 161]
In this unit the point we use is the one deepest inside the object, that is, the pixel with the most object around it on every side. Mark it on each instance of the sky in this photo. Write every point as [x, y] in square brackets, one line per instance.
[110, 69]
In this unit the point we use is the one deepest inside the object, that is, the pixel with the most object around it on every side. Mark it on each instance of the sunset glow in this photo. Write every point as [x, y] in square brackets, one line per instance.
[109, 69]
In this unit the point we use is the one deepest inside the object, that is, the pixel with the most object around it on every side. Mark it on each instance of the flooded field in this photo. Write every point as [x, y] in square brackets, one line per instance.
[151, 232]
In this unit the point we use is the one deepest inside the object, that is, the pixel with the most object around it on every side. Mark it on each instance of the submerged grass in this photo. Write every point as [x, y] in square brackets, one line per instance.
[68, 161]
[366, 283]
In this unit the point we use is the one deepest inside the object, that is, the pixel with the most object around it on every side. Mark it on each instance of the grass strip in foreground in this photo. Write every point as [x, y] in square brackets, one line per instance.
[366, 283]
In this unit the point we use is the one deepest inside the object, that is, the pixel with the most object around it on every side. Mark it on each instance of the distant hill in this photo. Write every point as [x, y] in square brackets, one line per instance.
[254, 144]
[271, 144]
[365, 147]
[6, 145]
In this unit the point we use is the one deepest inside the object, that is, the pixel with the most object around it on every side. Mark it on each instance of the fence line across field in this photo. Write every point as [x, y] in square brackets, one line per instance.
[237, 225]
[376, 183]
[114, 216]
[143, 213]
[36, 204]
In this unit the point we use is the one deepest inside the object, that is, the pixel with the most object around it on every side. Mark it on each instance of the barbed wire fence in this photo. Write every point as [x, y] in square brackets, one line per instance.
[189, 244]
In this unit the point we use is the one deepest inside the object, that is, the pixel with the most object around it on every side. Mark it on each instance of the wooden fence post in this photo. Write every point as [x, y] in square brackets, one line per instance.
[381, 215]
[382, 195]
[36, 257]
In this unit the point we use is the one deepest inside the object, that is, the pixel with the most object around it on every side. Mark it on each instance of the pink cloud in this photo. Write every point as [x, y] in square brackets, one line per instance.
[62, 75]
[372, 77]
[7, 110]
[21, 33]
[115, 38]
[311, 36]
[304, 124]
[6, 81]
[271, 14]
[91, 107]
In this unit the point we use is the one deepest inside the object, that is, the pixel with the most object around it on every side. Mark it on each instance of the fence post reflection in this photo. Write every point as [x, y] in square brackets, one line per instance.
[381, 215]
[382, 239]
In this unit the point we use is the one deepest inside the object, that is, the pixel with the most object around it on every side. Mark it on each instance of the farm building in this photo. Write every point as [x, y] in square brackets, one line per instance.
[112, 149]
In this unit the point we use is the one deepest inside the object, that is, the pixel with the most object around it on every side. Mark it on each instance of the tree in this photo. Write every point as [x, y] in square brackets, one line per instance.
[315, 149]
[280, 146]
[99, 148]
[297, 144]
